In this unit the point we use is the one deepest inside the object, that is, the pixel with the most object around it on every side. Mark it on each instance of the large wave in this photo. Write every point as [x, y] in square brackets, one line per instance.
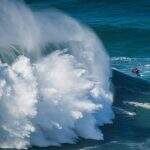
[54, 79]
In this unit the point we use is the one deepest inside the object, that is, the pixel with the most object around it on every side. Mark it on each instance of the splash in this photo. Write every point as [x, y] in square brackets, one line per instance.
[54, 79]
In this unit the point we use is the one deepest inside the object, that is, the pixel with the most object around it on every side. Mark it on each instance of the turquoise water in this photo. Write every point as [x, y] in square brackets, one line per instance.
[123, 26]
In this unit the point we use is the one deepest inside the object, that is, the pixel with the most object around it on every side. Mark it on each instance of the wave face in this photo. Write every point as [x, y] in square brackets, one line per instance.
[54, 79]
[132, 108]
[126, 64]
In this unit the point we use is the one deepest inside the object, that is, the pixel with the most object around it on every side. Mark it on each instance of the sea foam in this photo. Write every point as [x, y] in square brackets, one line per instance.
[54, 79]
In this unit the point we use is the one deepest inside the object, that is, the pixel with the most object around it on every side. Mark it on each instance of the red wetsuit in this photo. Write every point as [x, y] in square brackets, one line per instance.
[136, 71]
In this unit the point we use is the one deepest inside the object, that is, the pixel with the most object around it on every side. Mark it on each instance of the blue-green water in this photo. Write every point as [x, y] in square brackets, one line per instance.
[124, 27]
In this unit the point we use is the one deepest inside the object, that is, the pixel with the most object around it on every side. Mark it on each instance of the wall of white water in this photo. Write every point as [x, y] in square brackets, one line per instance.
[52, 99]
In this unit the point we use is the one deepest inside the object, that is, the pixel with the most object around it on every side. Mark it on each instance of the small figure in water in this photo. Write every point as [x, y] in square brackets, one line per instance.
[136, 71]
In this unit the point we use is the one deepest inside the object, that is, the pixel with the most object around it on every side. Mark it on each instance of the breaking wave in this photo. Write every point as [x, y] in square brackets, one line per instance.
[54, 79]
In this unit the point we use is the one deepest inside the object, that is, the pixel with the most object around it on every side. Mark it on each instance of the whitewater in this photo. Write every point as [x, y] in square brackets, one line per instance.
[54, 79]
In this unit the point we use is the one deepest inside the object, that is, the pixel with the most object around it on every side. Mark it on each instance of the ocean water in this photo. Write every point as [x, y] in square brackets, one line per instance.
[65, 74]
[123, 27]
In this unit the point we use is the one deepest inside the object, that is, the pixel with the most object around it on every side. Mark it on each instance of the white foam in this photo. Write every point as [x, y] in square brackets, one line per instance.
[52, 99]
[17, 104]
[123, 111]
[138, 104]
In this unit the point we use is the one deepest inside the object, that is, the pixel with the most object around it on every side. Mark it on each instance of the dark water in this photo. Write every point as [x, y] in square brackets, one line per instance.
[124, 27]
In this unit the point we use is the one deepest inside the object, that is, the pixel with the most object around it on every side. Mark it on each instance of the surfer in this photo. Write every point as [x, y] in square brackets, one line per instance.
[136, 71]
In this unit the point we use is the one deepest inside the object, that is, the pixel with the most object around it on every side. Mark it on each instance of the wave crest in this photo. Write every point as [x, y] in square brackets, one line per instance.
[54, 98]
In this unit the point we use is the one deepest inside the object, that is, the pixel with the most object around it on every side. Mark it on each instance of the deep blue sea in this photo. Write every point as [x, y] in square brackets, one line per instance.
[49, 98]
